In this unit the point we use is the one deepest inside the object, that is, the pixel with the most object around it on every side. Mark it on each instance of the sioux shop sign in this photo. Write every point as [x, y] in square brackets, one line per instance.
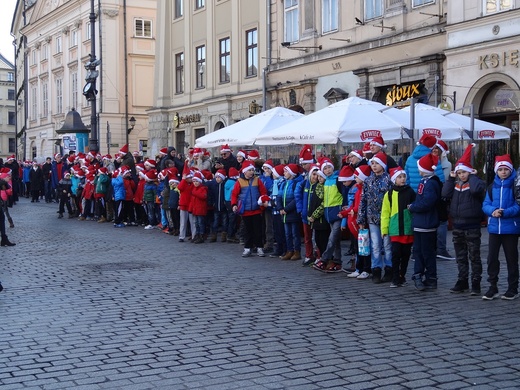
[182, 120]
[399, 93]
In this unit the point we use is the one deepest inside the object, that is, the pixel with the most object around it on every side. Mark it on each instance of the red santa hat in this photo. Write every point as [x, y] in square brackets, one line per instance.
[278, 171]
[306, 155]
[71, 159]
[395, 172]
[253, 155]
[197, 151]
[428, 163]
[292, 169]
[313, 167]
[356, 153]
[346, 173]
[268, 164]
[225, 149]
[263, 199]
[92, 154]
[172, 172]
[503, 161]
[5, 170]
[151, 175]
[66, 174]
[247, 165]
[79, 173]
[162, 175]
[206, 173]
[221, 173]
[363, 172]
[442, 146]
[366, 148]
[57, 155]
[150, 163]
[107, 157]
[380, 158]
[11, 158]
[186, 170]
[464, 163]
[320, 173]
[197, 176]
[233, 172]
[427, 140]
[103, 170]
[163, 151]
[172, 180]
[124, 149]
[325, 161]
[378, 141]
[240, 153]
[140, 167]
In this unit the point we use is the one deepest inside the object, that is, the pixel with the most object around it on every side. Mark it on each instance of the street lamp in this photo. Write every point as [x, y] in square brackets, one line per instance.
[132, 125]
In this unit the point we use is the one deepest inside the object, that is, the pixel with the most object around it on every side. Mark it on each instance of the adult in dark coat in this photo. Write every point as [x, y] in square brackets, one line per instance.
[226, 160]
[127, 159]
[47, 182]
[36, 179]
[170, 155]
[59, 167]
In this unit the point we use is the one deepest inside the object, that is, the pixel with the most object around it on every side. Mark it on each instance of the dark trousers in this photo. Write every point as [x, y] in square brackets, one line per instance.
[128, 206]
[400, 258]
[425, 255]
[48, 190]
[467, 252]
[220, 218]
[510, 244]
[119, 211]
[175, 218]
[321, 237]
[65, 202]
[253, 231]
[279, 234]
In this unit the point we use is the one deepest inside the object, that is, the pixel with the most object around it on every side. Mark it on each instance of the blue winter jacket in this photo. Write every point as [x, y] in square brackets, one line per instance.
[286, 200]
[503, 198]
[424, 208]
[119, 188]
[228, 189]
[413, 177]
[304, 190]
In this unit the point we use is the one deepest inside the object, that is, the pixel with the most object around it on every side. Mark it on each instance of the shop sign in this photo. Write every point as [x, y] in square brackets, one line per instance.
[494, 60]
[399, 93]
[183, 120]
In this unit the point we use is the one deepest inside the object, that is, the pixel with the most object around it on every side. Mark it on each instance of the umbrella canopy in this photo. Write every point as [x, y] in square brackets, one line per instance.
[482, 130]
[246, 131]
[350, 120]
[428, 120]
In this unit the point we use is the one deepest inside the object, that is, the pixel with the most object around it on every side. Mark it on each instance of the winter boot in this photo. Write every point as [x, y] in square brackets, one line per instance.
[195, 239]
[60, 215]
[212, 237]
[287, 256]
[388, 275]
[461, 286]
[296, 256]
[224, 236]
[5, 241]
[475, 287]
[199, 240]
[11, 223]
[376, 275]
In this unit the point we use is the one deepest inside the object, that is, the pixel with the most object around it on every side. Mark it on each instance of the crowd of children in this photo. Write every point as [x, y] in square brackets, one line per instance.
[269, 207]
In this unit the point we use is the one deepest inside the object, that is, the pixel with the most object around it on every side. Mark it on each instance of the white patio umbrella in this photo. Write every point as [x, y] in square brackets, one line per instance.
[482, 130]
[428, 120]
[246, 131]
[350, 120]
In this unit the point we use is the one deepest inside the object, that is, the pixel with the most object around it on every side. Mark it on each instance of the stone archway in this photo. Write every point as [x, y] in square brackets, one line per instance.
[477, 92]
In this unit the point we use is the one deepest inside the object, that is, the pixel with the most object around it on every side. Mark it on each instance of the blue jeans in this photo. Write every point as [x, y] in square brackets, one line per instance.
[442, 233]
[200, 224]
[219, 218]
[151, 212]
[334, 244]
[425, 255]
[378, 244]
[292, 236]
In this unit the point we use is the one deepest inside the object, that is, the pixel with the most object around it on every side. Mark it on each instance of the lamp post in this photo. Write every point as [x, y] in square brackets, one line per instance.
[90, 91]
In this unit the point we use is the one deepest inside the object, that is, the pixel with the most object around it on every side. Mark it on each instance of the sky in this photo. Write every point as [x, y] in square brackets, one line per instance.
[6, 40]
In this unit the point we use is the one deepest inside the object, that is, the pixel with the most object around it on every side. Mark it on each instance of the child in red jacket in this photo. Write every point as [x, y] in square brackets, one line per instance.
[199, 206]
[185, 187]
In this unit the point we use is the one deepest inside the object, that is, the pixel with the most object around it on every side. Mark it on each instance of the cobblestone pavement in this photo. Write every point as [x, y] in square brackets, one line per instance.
[87, 306]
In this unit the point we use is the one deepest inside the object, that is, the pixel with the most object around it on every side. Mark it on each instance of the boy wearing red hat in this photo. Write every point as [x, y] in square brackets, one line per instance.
[503, 214]
[425, 224]
[278, 228]
[232, 216]
[466, 191]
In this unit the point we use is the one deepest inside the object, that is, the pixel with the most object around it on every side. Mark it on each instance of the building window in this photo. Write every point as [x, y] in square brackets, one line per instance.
[179, 73]
[59, 96]
[225, 60]
[178, 9]
[34, 103]
[45, 100]
[74, 89]
[44, 52]
[143, 28]
[10, 94]
[291, 22]
[329, 15]
[200, 4]
[74, 38]
[11, 118]
[252, 52]
[417, 3]
[373, 9]
[10, 76]
[33, 57]
[88, 32]
[12, 145]
[200, 66]
[493, 6]
[58, 45]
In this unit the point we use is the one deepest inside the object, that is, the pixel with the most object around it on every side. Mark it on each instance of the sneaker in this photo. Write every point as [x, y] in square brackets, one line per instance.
[307, 262]
[119, 225]
[148, 227]
[419, 285]
[475, 288]
[445, 255]
[509, 295]
[363, 275]
[320, 266]
[260, 252]
[181, 239]
[354, 274]
[460, 286]
[333, 268]
[246, 253]
[394, 285]
[491, 294]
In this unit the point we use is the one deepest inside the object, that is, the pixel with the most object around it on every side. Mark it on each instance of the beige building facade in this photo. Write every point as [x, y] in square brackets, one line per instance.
[7, 108]
[54, 43]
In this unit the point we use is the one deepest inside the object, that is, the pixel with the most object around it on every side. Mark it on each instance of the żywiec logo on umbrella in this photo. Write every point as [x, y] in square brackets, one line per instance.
[435, 132]
[486, 134]
[369, 134]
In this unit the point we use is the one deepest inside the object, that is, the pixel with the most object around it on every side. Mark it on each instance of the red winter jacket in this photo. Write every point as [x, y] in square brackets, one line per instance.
[185, 189]
[130, 188]
[199, 200]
